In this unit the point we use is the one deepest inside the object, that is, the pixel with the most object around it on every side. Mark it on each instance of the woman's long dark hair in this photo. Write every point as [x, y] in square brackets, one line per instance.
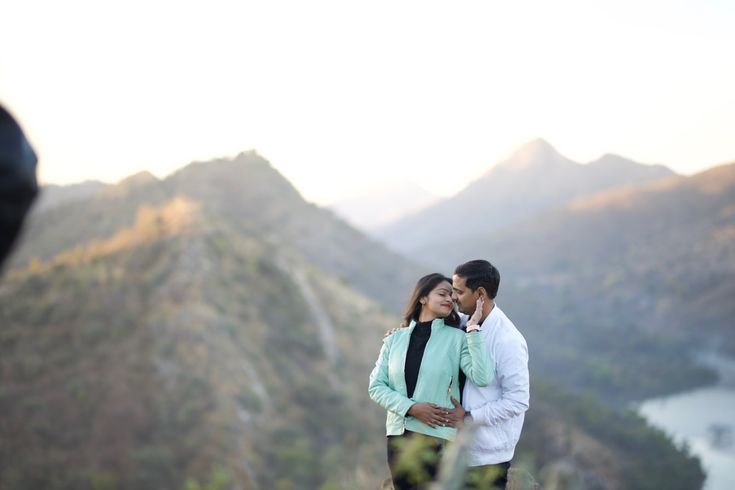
[423, 288]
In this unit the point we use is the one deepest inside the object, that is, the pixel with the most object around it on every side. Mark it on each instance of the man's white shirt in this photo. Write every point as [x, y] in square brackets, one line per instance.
[499, 408]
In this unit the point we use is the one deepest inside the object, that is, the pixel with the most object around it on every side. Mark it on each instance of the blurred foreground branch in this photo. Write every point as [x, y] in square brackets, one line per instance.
[453, 467]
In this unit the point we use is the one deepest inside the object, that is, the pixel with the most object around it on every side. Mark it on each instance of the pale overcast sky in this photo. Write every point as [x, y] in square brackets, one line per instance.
[343, 95]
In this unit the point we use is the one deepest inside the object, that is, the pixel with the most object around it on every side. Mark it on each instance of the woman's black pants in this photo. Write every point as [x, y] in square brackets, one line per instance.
[414, 459]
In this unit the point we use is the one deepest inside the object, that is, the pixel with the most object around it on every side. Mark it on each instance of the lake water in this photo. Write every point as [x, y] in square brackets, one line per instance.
[705, 419]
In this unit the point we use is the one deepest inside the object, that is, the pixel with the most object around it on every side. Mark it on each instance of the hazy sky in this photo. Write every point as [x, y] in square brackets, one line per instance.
[343, 95]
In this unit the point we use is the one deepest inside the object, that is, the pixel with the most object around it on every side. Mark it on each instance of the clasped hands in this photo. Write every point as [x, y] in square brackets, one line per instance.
[435, 416]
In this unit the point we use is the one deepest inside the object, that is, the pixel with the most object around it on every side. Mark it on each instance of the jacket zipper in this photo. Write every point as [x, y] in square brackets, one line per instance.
[403, 363]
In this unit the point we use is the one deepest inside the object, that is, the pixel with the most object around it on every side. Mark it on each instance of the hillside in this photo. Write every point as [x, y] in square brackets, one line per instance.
[534, 179]
[163, 362]
[639, 274]
[207, 327]
[249, 196]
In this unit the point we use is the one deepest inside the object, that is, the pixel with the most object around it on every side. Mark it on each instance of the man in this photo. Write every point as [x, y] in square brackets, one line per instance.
[499, 408]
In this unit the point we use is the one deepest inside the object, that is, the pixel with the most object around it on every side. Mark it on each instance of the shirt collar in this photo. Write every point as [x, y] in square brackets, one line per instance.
[491, 318]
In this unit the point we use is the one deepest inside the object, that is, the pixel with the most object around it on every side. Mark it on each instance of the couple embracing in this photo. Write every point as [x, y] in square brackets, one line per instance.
[442, 357]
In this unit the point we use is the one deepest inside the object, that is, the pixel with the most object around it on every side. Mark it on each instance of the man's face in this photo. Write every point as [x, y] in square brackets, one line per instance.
[465, 298]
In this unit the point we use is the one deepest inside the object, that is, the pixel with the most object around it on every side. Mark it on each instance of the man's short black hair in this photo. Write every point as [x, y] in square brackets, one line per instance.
[480, 273]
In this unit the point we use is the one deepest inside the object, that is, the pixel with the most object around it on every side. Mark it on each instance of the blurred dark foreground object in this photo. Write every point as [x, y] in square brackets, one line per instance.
[18, 185]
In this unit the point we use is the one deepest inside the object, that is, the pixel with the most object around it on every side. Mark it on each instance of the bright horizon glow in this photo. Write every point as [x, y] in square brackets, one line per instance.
[343, 96]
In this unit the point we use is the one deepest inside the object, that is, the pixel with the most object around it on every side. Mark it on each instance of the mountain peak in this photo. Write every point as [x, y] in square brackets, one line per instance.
[612, 159]
[536, 154]
[143, 177]
[610, 164]
[250, 157]
[538, 145]
[131, 183]
[242, 162]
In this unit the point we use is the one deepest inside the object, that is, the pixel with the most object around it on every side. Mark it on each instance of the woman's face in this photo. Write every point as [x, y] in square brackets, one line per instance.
[438, 303]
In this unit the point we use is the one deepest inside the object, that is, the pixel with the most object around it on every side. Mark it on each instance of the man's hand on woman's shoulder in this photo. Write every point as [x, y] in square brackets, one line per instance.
[394, 330]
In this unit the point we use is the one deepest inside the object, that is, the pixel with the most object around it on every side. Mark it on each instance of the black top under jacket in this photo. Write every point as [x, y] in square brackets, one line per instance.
[414, 354]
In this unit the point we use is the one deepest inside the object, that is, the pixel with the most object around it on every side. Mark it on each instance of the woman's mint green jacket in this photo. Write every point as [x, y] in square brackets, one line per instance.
[447, 350]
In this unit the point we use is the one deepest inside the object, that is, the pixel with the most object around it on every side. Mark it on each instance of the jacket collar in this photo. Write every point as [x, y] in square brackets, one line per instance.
[436, 324]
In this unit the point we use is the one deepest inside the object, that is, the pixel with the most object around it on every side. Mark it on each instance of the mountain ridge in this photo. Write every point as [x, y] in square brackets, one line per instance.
[252, 197]
[534, 179]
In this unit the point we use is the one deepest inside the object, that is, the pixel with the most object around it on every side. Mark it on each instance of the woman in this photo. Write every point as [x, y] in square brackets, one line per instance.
[417, 373]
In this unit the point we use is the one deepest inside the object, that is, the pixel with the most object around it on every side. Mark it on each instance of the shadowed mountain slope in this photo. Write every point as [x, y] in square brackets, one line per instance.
[637, 274]
[673, 239]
